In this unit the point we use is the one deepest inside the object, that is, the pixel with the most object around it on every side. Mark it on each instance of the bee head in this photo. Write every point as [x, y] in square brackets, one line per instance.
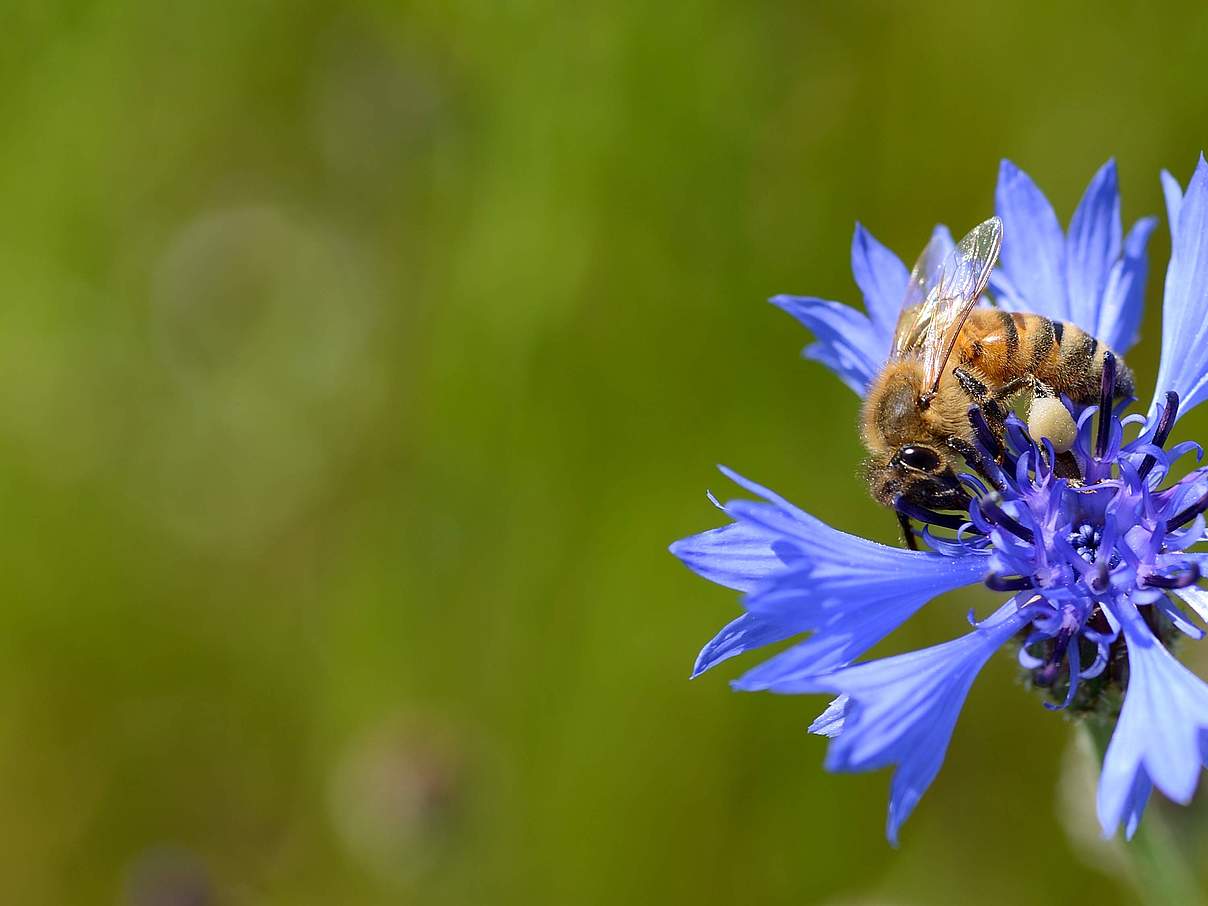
[895, 412]
[920, 473]
[907, 443]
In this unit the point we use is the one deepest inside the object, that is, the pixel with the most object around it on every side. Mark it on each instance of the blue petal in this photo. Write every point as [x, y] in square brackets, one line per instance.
[944, 235]
[848, 344]
[1162, 730]
[1173, 194]
[1124, 298]
[1093, 247]
[1033, 249]
[1005, 294]
[1134, 805]
[902, 710]
[1184, 363]
[882, 278]
[737, 556]
[781, 517]
[830, 722]
[742, 556]
[852, 593]
[746, 633]
[1196, 598]
[846, 637]
[800, 574]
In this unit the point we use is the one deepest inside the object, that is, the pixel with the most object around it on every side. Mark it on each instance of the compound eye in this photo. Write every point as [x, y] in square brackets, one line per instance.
[921, 458]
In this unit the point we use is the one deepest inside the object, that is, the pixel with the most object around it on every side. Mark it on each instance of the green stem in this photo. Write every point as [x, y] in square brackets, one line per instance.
[1160, 867]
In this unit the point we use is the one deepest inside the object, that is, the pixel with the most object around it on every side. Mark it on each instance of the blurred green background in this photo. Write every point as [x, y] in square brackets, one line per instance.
[358, 362]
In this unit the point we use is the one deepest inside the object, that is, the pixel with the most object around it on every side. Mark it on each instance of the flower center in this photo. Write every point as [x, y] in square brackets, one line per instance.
[1085, 541]
[1067, 534]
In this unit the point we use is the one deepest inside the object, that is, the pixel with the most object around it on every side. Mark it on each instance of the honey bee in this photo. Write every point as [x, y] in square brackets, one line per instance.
[949, 354]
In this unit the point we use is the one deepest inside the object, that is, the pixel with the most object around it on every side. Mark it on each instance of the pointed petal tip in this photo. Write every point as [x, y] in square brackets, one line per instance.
[1106, 173]
[831, 721]
[794, 305]
[1010, 172]
[893, 827]
[1144, 226]
[783, 301]
[1201, 168]
[862, 235]
[1171, 186]
[1107, 823]
[737, 685]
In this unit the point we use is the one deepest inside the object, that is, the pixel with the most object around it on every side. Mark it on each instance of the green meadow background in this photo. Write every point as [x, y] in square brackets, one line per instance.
[359, 361]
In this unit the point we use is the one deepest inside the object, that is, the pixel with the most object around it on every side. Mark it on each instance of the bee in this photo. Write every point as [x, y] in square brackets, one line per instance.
[950, 353]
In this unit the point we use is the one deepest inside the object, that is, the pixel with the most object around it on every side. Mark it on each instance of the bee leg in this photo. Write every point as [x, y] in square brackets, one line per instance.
[993, 403]
[1010, 389]
[907, 531]
[976, 390]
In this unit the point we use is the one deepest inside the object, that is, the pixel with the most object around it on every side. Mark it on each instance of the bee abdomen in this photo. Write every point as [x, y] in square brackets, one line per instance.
[1073, 363]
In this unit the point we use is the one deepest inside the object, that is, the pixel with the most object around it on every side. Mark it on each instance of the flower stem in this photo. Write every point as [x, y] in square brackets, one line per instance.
[1161, 869]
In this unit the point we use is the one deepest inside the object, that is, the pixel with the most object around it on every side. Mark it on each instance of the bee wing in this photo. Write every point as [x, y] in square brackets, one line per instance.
[950, 292]
[913, 319]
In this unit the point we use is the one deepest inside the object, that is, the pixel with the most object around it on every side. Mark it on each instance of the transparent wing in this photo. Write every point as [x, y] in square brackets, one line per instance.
[949, 292]
[912, 321]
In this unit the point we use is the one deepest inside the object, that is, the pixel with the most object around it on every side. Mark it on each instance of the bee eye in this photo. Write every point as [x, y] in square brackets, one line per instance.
[921, 458]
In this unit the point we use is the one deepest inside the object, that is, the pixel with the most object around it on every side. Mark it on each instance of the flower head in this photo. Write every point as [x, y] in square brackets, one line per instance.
[1094, 548]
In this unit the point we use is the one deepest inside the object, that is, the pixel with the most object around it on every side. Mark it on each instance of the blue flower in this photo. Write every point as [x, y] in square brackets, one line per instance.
[1098, 564]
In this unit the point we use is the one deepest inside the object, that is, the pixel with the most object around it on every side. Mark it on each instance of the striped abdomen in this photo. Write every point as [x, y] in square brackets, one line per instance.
[1003, 346]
